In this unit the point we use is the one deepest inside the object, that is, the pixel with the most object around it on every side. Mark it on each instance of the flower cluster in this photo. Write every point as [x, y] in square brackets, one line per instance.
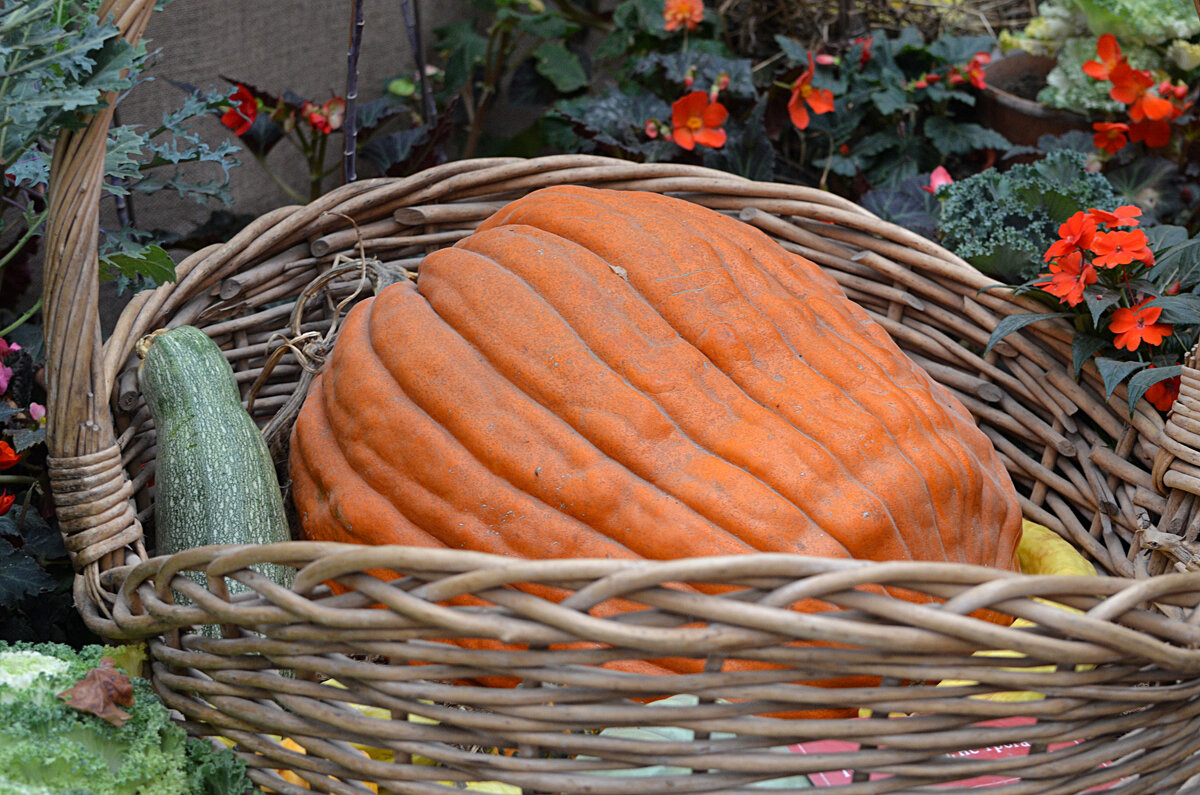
[244, 108]
[972, 72]
[1153, 103]
[8, 459]
[1102, 256]
[687, 14]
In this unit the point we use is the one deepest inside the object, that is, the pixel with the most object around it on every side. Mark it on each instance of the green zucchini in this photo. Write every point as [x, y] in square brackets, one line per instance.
[214, 478]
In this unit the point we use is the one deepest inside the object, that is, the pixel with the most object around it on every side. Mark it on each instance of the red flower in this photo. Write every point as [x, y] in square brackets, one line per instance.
[240, 115]
[819, 99]
[327, 117]
[8, 456]
[1130, 87]
[6, 501]
[865, 57]
[1154, 132]
[1074, 233]
[1121, 247]
[1137, 325]
[937, 179]
[679, 13]
[1125, 215]
[1068, 277]
[696, 120]
[1162, 395]
[1110, 57]
[1110, 136]
[975, 69]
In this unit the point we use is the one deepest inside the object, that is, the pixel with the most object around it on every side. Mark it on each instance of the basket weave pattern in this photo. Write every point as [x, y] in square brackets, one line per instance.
[1120, 681]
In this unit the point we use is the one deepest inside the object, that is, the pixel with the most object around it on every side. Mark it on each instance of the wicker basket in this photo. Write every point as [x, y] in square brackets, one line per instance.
[1121, 680]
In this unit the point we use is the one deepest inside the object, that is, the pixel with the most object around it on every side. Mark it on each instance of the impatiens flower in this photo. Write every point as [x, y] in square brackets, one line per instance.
[8, 347]
[1137, 325]
[8, 456]
[6, 501]
[242, 111]
[1121, 247]
[683, 13]
[696, 120]
[819, 99]
[1075, 233]
[937, 179]
[1110, 136]
[325, 118]
[1125, 215]
[1110, 56]
[1068, 277]
[1131, 86]
[38, 412]
[1162, 395]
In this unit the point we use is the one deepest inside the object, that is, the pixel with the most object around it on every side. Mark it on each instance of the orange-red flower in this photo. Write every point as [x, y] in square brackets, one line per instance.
[1153, 132]
[939, 177]
[1121, 247]
[1110, 57]
[1131, 87]
[681, 13]
[1075, 233]
[325, 118]
[6, 501]
[8, 456]
[242, 111]
[696, 120]
[1125, 215]
[1162, 395]
[1110, 136]
[803, 92]
[1139, 324]
[1068, 277]
[975, 69]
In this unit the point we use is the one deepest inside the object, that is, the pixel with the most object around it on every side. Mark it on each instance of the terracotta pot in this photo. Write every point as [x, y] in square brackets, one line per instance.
[1008, 106]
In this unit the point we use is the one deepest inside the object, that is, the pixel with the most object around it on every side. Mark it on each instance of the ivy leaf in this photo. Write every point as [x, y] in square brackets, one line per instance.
[1083, 347]
[1114, 371]
[1148, 378]
[1011, 323]
[20, 576]
[560, 66]
[959, 139]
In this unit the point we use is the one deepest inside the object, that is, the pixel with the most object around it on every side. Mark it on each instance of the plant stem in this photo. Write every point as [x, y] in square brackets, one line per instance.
[29, 233]
[350, 125]
[412, 24]
[15, 479]
[316, 169]
[30, 312]
[291, 192]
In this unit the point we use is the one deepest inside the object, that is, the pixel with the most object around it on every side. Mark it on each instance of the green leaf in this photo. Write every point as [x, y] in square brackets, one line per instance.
[1148, 378]
[1011, 323]
[1182, 309]
[952, 138]
[1099, 300]
[548, 25]
[748, 152]
[1114, 371]
[25, 438]
[891, 99]
[793, 50]
[1084, 347]
[463, 49]
[152, 262]
[20, 576]
[560, 66]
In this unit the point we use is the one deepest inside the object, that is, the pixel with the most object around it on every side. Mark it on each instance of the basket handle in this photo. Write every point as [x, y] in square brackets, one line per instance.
[90, 488]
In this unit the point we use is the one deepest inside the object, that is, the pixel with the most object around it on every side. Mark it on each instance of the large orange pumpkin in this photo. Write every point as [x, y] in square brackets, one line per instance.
[597, 373]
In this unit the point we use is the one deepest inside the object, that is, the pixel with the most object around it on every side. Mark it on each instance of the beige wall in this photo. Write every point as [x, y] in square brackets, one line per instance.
[275, 44]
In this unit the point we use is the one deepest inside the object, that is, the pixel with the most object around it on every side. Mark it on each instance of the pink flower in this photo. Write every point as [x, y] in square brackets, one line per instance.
[5, 377]
[38, 412]
[937, 179]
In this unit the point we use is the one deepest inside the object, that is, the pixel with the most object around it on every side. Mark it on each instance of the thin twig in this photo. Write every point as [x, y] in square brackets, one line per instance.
[412, 23]
[350, 128]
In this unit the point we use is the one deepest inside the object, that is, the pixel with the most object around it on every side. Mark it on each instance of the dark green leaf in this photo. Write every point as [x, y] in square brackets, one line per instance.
[748, 152]
[560, 66]
[1114, 371]
[1084, 347]
[1011, 323]
[958, 50]
[1148, 378]
[42, 541]
[152, 262]
[1099, 300]
[548, 25]
[20, 576]
[1183, 308]
[959, 139]
[906, 205]
[892, 99]
[464, 49]
[25, 438]
[793, 50]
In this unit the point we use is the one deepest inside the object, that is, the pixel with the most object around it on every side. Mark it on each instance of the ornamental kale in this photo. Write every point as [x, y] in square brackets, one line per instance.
[48, 747]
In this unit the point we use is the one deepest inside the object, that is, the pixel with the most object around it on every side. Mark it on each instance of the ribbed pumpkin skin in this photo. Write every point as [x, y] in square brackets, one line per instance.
[599, 373]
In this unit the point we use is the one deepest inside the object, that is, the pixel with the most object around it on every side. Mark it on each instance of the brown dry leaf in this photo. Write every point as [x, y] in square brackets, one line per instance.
[100, 692]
